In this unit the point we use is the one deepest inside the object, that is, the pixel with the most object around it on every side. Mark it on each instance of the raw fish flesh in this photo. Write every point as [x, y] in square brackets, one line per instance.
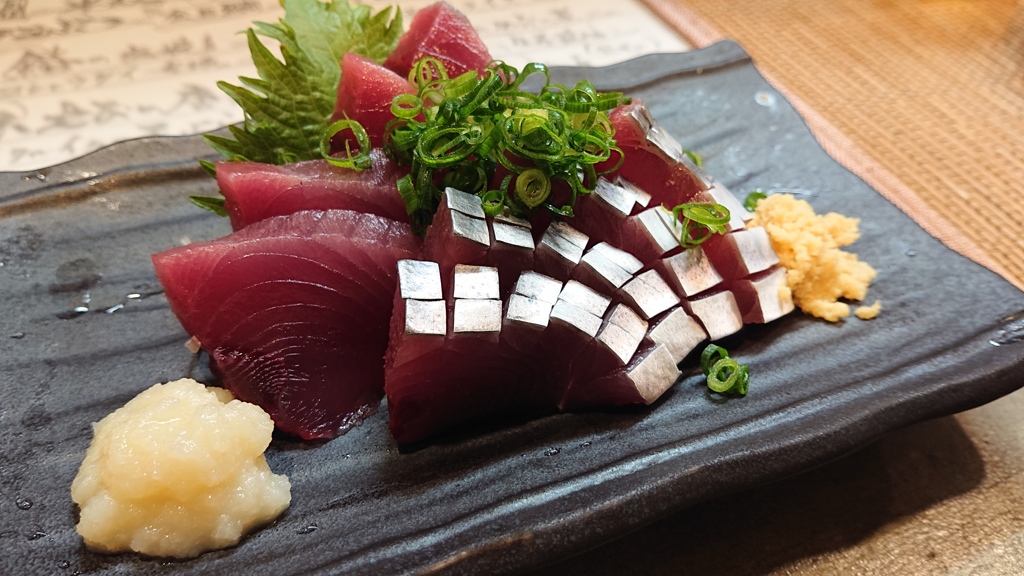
[441, 32]
[653, 160]
[294, 312]
[460, 370]
[255, 192]
[549, 346]
[462, 234]
[315, 314]
[364, 95]
[601, 315]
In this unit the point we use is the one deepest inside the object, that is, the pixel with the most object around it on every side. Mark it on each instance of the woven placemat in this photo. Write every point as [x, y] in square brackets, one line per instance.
[922, 99]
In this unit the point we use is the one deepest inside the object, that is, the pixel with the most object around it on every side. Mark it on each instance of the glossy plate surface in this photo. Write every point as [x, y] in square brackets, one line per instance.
[503, 498]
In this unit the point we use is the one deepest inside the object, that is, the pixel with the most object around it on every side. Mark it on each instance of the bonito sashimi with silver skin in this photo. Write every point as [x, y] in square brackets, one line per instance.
[588, 326]
[508, 324]
[324, 300]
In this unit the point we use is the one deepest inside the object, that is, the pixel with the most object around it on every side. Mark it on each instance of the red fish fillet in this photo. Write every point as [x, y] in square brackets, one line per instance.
[294, 312]
[255, 192]
[441, 32]
[365, 94]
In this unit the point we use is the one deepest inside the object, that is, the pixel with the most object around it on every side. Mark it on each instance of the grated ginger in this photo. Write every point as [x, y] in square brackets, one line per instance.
[808, 245]
[177, 471]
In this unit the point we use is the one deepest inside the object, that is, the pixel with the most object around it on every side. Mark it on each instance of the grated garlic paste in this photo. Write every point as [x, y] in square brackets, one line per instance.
[179, 470]
[808, 245]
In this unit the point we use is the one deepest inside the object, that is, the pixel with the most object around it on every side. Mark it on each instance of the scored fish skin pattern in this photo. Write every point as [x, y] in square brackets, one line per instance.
[585, 313]
[597, 312]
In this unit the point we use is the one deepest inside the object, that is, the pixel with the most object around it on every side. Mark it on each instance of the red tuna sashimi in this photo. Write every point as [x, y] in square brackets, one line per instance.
[441, 32]
[447, 361]
[255, 192]
[667, 180]
[294, 311]
[365, 95]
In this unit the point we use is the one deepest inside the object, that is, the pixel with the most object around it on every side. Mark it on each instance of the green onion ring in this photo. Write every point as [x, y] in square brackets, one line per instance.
[711, 354]
[406, 106]
[533, 187]
[442, 147]
[461, 85]
[493, 201]
[427, 70]
[695, 158]
[709, 214]
[529, 70]
[723, 375]
[408, 193]
[360, 161]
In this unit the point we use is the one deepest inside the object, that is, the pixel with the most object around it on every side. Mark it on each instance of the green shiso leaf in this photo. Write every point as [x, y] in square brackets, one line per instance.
[288, 107]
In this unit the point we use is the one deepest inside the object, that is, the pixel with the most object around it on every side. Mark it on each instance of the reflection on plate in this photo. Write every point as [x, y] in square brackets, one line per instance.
[84, 327]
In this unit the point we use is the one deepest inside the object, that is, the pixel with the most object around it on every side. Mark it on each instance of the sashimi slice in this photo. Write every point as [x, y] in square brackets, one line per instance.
[469, 374]
[689, 272]
[365, 94]
[440, 31]
[741, 253]
[763, 297]
[601, 213]
[560, 250]
[614, 345]
[718, 313]
[294, 312]
[255, 192]
[459, 233]
[512, 249]
[647, 162]
[678, 332]
[649, 374]
[548, 347]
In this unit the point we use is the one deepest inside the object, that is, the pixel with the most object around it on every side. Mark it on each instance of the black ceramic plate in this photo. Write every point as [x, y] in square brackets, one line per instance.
[488, 500]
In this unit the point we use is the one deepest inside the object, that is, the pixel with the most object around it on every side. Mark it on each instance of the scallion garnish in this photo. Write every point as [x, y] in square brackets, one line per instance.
[750, 202]
[724, 374]
[699, 221]
[462, 131]
[695, 158]
[358, 161]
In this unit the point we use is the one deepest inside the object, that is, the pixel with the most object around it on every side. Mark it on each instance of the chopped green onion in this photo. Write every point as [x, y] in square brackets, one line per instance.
[711, 354]
[426, 71]
[750, 203]
[492, 202]
[408, 193]
[360, 161]
[533, 187]
[700, 221]
[695, 158]
[461, 85]
[724, 374]
[444, 147]
[460, 131]
[406, 106]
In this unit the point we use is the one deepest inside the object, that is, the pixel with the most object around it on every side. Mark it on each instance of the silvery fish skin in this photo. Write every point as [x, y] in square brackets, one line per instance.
[588, 312]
